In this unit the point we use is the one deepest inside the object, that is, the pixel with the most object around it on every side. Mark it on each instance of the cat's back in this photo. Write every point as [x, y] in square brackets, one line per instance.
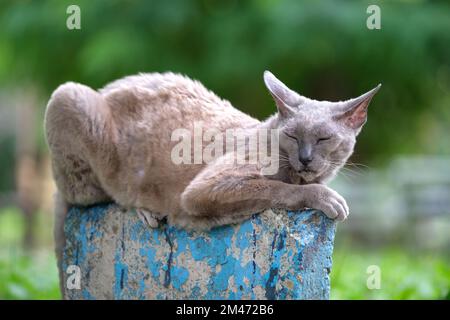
[173, 96]
[156, 83]
[146, 111]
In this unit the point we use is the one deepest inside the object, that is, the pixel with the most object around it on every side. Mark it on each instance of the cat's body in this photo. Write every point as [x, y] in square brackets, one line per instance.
[125, 150]
[115, 144]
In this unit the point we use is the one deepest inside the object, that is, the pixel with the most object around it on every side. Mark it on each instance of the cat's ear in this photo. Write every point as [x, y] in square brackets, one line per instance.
[353, 113]
[285, 99]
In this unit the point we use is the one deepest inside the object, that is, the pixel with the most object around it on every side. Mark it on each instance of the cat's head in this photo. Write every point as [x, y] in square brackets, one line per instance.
[316, 137]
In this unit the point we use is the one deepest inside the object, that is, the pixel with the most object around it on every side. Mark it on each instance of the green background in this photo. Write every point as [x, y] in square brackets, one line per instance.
[322, 49]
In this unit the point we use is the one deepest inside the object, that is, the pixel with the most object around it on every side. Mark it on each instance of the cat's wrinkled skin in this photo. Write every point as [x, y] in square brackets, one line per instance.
[115, 144]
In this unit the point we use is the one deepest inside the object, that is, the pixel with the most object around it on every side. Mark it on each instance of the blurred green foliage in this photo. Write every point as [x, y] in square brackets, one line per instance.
[24, 275]
[320, 48]
[29, 277]
[7, 163]
[404, 274]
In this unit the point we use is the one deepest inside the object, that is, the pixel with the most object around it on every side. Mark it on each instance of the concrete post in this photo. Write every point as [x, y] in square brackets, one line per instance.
[274, 255]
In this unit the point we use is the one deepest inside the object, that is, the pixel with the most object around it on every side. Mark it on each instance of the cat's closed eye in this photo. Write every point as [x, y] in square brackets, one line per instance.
[323, 139]
[290, 136]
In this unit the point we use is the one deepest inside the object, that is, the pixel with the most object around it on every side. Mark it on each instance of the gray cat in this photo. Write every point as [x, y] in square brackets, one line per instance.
[115, 144]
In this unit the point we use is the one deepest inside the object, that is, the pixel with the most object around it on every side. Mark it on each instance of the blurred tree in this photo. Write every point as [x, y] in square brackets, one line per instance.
[322, 49]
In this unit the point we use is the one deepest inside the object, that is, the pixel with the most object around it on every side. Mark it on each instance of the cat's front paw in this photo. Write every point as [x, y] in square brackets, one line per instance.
[328, 201]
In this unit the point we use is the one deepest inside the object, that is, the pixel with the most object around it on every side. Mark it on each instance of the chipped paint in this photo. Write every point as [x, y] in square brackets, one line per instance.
[273, 255]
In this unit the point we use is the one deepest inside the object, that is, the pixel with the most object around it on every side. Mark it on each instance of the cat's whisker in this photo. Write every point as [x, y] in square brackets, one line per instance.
[355, 170]
[349, 167]
[351, 172]
[346, 173]
[358, 165]
[348, 177]
[345, 176]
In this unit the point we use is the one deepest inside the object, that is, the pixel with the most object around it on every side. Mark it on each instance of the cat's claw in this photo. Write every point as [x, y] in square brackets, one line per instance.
[148, 218]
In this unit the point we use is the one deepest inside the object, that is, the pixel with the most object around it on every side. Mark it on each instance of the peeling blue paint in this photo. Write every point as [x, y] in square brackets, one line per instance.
[179, 276]
[152, 264]
[169, 263]
[120, 276]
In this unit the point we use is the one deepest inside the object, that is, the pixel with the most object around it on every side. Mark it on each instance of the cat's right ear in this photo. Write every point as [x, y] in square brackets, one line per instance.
[285, 99]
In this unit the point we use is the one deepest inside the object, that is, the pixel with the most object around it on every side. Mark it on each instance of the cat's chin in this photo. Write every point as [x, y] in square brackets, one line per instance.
[307, 177]
[313, 176]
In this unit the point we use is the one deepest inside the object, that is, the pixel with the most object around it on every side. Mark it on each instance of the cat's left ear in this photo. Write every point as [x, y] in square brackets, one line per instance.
[354, 112]
[286, 99]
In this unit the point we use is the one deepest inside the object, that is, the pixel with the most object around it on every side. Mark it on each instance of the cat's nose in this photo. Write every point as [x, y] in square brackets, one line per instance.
[305, 160]
[305, 154]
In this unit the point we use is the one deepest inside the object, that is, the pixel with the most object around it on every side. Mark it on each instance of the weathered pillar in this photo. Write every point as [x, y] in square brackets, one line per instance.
[274, 255]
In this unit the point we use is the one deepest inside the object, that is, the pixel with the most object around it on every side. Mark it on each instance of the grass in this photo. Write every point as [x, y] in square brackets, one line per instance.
[26, 275]
[29, 277]
[404, 274]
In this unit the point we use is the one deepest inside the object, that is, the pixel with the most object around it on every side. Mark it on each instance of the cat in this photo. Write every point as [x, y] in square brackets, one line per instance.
[115, 145]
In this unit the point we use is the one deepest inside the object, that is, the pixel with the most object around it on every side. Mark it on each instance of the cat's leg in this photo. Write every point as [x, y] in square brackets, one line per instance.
[77, 128]
[222, 195]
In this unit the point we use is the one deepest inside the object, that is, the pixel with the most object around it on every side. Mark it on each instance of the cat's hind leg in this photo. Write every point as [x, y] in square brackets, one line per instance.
[77, 128]
[70, 124]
